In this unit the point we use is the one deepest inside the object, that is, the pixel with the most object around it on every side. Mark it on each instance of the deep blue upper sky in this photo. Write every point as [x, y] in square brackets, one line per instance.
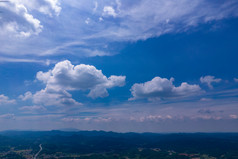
[160, 66]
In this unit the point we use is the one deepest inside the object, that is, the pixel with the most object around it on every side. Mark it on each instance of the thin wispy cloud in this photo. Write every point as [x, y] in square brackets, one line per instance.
[208, 80]
[114, 21]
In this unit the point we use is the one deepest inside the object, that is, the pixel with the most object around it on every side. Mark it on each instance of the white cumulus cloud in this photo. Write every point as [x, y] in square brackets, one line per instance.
[162, 88]
[17, 19]
[51, 97]
[26, 96]
[109, 10]
[65, 76]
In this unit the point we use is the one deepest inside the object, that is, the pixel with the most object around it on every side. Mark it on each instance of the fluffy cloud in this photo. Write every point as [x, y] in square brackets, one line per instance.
[26, 96]
[51, 97]
[162, 88]
[208, 80]
[17, 21]
[48, 97]
[5, 100]
[109, 10]
[65, 76]
[236, 79]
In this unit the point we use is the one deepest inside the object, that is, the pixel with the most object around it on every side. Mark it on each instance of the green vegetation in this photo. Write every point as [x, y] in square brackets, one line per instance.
[109, 145]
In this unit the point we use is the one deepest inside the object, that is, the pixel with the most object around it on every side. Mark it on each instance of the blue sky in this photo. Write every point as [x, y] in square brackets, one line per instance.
[146, 66]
